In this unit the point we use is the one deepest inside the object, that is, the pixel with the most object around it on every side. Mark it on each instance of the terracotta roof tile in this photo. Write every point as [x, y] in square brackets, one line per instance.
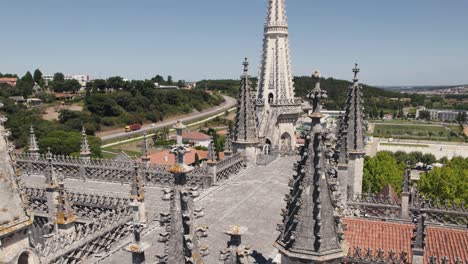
[195, 136]
[164, 157]
[374, 234]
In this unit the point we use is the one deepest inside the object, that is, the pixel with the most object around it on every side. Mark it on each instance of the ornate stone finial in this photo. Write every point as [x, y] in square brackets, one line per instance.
[49, 154]
[246, 66]
[236, 253]
[315, 96]
[33, 146]
[179, 150]
[228, 143]
[418, 244]
[211, 152]
[137, 192]
[65, 216]
[84, 151]
[356, 70]
[144, 149]
[407, 178]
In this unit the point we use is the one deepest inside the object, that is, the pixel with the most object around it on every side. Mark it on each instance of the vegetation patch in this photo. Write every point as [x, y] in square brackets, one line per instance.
[404, 145]
[417, 132]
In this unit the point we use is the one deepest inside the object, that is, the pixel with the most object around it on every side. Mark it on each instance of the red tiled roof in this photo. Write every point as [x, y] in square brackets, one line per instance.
[452, 243]
[195, 136]
[164, 157]
[388, 236]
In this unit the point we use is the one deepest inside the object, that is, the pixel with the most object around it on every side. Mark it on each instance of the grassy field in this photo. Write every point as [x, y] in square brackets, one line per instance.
[415, 131]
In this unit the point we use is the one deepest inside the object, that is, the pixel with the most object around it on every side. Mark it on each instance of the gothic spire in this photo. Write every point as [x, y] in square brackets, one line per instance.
[275, 76]
[33, 146]
[311, 231]
[228, 143]
[245, 130]
[84, 151]
[14, 215]
[351, 131]
[144, 149]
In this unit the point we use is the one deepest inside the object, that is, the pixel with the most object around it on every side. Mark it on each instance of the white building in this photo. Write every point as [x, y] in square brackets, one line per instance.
[82, 79]
[441, 115]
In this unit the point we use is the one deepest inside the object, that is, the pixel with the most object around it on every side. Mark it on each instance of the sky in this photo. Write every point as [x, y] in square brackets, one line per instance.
[397, 42]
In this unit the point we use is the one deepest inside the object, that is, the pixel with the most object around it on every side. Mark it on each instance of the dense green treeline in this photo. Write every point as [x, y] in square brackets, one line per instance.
[111, 102]
[447, 183]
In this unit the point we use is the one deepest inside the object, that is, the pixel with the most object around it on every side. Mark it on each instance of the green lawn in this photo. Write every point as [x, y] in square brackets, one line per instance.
[413, 131]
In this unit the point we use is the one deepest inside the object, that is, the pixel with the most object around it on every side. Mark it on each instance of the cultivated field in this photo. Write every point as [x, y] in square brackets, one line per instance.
[415, 131]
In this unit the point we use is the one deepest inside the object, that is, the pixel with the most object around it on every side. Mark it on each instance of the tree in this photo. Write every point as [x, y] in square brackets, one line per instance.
[181, 84]
[461, 117]
[59, 77]
[425, 115]
[115, 82]
[158, 79]
[382, 170]
[28, 78]
[38, 76]
[100, 85]
[447, 183]
[68, 143]
[71, 86]
[169, 80]
[381, 115]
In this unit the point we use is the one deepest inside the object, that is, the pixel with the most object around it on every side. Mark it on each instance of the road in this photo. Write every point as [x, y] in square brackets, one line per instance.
[228, 104]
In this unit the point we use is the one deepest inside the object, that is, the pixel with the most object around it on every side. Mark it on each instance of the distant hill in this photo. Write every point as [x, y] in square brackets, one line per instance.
[375, 98]
[420, 88]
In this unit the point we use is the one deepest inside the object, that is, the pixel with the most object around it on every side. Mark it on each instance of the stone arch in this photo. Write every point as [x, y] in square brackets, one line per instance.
[285, 141]
[267, 147]
[24, 258]
[271, 98]
[28, 257]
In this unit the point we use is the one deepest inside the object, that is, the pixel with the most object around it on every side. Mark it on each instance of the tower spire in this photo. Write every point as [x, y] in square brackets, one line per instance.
[276, 101]
[245, 128]
[310, 232]
[33, 146]
[84, 151]
[351, 143]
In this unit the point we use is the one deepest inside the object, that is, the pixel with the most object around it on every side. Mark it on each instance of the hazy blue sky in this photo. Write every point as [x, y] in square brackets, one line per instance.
[397, 42]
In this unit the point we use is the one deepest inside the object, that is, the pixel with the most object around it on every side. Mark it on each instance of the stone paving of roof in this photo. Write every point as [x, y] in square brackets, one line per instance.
[254, 199]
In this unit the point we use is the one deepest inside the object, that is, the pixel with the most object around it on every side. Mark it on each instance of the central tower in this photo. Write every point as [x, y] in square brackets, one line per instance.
[277, 107]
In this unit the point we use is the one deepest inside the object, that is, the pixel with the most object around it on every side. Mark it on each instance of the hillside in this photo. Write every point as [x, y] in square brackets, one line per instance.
[375, 98]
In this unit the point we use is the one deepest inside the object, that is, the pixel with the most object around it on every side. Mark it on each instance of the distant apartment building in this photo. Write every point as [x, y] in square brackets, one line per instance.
[9, 81]
[441, 115]
[82, 79]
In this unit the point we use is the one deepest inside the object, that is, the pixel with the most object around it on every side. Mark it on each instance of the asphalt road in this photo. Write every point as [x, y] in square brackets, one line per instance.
[228, 104]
